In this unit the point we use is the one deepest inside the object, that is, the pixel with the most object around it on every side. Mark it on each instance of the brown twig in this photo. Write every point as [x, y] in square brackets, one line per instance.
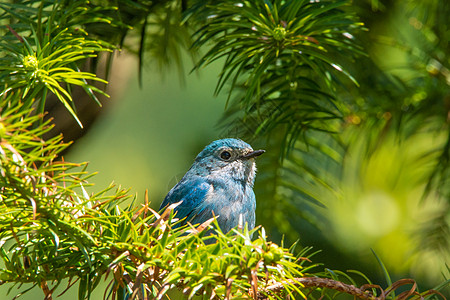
[319, 282]
[360, 293]
[15, 33]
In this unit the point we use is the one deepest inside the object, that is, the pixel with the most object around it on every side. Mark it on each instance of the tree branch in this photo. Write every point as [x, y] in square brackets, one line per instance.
[360, 293]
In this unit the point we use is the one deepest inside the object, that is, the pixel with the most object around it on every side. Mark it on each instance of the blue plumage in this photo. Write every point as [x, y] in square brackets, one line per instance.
[219, 183]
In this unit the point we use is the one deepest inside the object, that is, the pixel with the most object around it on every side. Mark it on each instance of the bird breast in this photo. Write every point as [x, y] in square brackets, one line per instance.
[231, 201]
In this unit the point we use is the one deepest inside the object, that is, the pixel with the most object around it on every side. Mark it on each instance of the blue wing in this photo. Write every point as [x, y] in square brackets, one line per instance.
[192, 192]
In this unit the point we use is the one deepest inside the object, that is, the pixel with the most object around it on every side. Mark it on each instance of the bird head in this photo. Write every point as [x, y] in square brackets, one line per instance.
[228, 159]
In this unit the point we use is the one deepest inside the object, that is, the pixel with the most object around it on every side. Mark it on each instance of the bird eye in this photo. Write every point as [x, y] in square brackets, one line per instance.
[225, 155]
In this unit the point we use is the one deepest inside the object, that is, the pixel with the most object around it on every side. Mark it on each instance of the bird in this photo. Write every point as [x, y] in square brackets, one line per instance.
[218, 184]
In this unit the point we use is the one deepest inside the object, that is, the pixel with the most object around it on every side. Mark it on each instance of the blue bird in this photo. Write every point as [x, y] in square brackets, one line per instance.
[219, 183]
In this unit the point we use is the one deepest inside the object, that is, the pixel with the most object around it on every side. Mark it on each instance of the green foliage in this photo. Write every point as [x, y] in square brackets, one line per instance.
[36, 70]
[285, 62]
[233, 265]
[167, 38]
[42, 50]
[285, 55]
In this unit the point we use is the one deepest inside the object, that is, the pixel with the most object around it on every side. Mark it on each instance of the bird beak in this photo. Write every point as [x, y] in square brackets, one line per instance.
[253, 154]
